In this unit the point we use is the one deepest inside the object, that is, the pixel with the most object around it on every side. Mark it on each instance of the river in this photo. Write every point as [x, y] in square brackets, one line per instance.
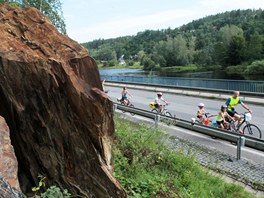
[210, 75]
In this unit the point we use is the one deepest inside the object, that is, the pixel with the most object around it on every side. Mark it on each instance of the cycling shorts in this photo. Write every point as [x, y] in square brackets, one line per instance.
[231, 113]
[220, 122]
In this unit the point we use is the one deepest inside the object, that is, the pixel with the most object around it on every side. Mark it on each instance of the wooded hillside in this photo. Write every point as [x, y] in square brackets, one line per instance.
[230, 38]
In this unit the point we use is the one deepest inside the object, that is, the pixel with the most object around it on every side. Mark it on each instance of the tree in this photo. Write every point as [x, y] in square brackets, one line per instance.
[233, 45]
[255, 47]
[148, 63]
[236, 51]
[228, 32]
[175, 51]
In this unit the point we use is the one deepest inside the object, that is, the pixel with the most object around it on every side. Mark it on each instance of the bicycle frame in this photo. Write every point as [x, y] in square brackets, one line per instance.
[244, 120]
[122, 102]
[163, 109]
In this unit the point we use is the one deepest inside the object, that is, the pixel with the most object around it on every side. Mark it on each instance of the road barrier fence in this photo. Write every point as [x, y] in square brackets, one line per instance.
[215, 84]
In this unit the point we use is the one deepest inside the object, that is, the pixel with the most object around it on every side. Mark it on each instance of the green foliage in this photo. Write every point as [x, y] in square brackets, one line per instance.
[51, 192]
[12, 3]
[41, 184]
[235, 53]
[148, 63]
[229, 38]
[54, 191]
[175, 51]
[256, 68]
[255, 49]
[147, 167]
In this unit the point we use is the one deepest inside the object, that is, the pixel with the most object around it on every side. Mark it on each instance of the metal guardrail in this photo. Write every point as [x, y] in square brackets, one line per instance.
[210, 131]
[210, 84]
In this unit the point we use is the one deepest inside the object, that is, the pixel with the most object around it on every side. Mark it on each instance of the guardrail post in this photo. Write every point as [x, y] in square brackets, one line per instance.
[240, 144]
[114, 107]
[157, 119]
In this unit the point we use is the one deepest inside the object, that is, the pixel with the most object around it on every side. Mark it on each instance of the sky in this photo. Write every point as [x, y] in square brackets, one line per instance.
[87, 20]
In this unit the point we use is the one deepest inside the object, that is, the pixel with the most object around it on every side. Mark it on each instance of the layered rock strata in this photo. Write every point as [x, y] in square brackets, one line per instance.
[61, 123]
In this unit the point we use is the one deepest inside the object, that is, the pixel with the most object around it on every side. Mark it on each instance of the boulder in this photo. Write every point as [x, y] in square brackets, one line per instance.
[60, 120]
[7, 191]
[8, 161]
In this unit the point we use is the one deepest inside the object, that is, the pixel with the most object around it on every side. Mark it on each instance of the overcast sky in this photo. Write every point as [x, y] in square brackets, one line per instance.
[87, 20]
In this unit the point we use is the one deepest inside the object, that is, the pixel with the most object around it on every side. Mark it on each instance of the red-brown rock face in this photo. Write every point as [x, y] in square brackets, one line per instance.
[8, 161]
[60, 121]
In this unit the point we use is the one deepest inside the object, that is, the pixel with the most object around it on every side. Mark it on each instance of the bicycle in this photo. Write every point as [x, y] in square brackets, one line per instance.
[163, 111]
[248, 130]
[128, 104]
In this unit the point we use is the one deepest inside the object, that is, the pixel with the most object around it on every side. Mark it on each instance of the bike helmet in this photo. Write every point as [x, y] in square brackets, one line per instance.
[223, 106]
[201, 105]
[159, 94]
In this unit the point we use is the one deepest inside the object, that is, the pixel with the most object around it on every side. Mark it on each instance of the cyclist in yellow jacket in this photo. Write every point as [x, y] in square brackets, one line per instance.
[232, 102]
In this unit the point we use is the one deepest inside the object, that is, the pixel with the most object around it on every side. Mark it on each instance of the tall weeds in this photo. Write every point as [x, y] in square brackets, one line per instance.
[147, 167]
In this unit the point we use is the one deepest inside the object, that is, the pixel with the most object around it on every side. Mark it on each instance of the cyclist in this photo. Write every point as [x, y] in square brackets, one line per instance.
[201, 113]
[158, 100]
[124, 94]
[221, 117]
[103, 83]
[232, 102]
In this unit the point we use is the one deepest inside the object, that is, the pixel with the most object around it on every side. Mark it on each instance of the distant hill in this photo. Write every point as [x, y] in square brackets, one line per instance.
[229, 38]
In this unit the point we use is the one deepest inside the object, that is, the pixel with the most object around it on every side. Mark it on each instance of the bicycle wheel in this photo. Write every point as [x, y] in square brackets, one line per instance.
[131, 105]
[122, 103]
[252, 131]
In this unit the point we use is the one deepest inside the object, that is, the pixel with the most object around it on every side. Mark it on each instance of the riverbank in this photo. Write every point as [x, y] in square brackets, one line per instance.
[191, 71]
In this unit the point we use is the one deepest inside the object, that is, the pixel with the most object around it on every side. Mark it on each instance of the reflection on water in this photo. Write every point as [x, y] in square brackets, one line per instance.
[212, 75]
[123, 71]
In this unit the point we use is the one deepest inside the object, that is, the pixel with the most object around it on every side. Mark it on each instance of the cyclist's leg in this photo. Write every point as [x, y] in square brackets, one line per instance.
[220, 125]
[234, 115]
[239, 120]
[200, 119]
[125, 101]
[239, 123]
[160, 108]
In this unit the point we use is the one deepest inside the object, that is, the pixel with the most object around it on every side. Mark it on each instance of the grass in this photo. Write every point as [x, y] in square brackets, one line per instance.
[147, 167]
[119, 66]
[179, 69]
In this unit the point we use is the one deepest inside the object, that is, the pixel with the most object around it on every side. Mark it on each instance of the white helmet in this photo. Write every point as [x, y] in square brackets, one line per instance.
[159, 94]
[224, 106]
[201, 104]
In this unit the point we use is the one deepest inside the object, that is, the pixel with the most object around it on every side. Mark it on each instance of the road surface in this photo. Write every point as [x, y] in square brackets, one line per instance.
[185, 107]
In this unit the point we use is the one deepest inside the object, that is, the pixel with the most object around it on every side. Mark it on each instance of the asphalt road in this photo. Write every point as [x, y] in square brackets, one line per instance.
[185, 107]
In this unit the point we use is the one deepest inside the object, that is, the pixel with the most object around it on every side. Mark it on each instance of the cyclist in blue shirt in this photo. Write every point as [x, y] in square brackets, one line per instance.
[124, 94]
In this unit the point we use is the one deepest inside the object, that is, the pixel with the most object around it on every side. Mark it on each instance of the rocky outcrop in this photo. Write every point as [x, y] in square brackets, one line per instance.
[61, 123]
[7, 191]
[8, 161]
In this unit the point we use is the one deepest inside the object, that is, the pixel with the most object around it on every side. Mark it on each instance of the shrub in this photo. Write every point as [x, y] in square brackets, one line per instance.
[54, 191]
[256, 68]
